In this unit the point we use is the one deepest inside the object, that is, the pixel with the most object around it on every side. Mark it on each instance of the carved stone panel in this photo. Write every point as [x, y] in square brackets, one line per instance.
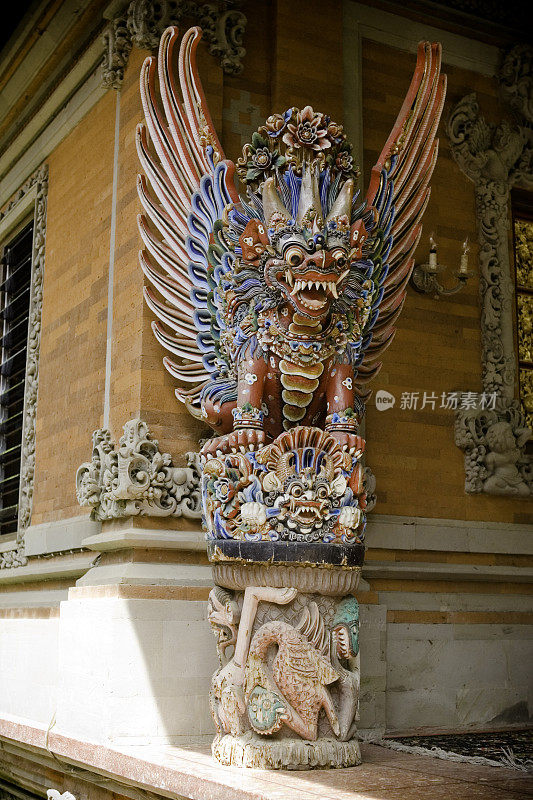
[142, 22]
[493, 442]
[16, 557]
[289, 662]
[496, 158]
[137, 479]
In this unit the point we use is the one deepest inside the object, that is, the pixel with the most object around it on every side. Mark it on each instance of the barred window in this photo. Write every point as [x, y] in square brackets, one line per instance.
[523, 247]
[15, 285]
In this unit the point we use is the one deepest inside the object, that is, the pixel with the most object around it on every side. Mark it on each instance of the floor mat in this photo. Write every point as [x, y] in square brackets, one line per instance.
[512, 749]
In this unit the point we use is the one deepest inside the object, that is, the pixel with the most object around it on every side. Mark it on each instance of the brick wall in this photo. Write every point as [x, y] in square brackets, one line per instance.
[437, 347]
[72, 362]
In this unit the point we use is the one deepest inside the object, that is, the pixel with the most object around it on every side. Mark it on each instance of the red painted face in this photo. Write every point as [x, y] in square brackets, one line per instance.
[253, 241]
[310, 280]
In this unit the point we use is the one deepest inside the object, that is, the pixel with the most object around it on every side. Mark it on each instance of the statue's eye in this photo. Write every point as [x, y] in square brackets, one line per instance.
[322, 492]
[339, 256]
[294, 255]
[296, 490]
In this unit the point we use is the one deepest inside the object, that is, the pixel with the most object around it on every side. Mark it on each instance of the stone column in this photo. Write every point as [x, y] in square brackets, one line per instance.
[493, 432]
[285, 528]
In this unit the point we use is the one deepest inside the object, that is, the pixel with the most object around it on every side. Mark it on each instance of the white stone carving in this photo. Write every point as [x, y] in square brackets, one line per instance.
[515, 79]
[289, 662]
[136, 479]
[117, 48]
[53, 794]
[493, 442]
[143, 21]
[496, 158]
[16, 557]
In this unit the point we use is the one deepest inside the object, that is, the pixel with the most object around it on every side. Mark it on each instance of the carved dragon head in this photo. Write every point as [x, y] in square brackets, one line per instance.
[311, 253]
[298, 232]
[305, 469]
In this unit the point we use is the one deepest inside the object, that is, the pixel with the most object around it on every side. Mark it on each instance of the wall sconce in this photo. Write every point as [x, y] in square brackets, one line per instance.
[424, 276]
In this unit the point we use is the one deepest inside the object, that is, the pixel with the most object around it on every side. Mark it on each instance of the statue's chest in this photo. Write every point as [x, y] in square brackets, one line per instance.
[299, 352]
[291, 388]
[301, 341]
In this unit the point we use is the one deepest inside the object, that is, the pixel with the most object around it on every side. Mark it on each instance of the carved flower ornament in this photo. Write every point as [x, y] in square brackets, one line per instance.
[296, 137]
[310, 130]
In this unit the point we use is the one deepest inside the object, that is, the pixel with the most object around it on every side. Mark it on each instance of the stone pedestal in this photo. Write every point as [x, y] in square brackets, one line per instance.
[285, 530]
[287, 627]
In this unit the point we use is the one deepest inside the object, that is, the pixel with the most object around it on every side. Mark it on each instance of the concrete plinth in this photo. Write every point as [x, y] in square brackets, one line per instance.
[135, 650]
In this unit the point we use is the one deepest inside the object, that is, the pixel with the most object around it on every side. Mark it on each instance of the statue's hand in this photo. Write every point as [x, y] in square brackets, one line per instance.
[243, 439]
[349, 441]
[350, 516]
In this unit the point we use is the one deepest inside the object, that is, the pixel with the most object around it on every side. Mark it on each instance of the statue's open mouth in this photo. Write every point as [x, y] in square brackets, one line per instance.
[307, 512]
[343, 641]
[313, 290]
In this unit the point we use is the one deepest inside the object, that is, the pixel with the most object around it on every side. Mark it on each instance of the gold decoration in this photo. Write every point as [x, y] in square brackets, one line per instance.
[523, 231]
[525, 326]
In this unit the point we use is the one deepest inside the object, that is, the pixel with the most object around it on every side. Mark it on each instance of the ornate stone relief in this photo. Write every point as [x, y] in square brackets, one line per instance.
[315, 669]
[142, 22]
[16, 557]
[136, 479]
[496, 158]
[515, 79]
[493, 441]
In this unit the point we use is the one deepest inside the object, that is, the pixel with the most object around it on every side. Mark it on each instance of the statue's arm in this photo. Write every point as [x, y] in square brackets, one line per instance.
[341, 417]
[247, 431]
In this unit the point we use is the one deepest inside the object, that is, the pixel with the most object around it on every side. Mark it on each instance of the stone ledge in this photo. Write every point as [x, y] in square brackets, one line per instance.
[190, 772]
[380, 570]
[60, 535]
[170, 770]
[458, 535]
[146, 538]
[139, 592]
[38, 569]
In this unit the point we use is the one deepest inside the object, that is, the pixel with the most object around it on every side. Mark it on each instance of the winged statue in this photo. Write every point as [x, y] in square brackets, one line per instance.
[275, 304]
[276, 287]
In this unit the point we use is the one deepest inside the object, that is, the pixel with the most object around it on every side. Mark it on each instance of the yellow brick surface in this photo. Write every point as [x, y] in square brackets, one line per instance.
[437, 348]
[72, 360]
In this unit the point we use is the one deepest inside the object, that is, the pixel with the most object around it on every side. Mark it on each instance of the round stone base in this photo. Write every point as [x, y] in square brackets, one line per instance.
[256, 752]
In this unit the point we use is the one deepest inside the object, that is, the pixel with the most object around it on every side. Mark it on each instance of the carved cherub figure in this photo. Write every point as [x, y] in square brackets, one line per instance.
[502, 459]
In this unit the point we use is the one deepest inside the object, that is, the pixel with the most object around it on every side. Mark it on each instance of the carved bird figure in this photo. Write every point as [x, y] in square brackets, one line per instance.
[276, 304]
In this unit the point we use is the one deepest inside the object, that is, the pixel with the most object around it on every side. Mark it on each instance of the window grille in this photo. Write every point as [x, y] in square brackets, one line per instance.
[15, 285]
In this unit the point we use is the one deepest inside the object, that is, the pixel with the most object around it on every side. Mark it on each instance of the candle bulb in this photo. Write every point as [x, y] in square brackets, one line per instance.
[432, 254]
[463, 269]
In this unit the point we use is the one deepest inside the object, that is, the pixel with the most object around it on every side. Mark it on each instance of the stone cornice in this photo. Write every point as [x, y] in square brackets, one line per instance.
[141, 23]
